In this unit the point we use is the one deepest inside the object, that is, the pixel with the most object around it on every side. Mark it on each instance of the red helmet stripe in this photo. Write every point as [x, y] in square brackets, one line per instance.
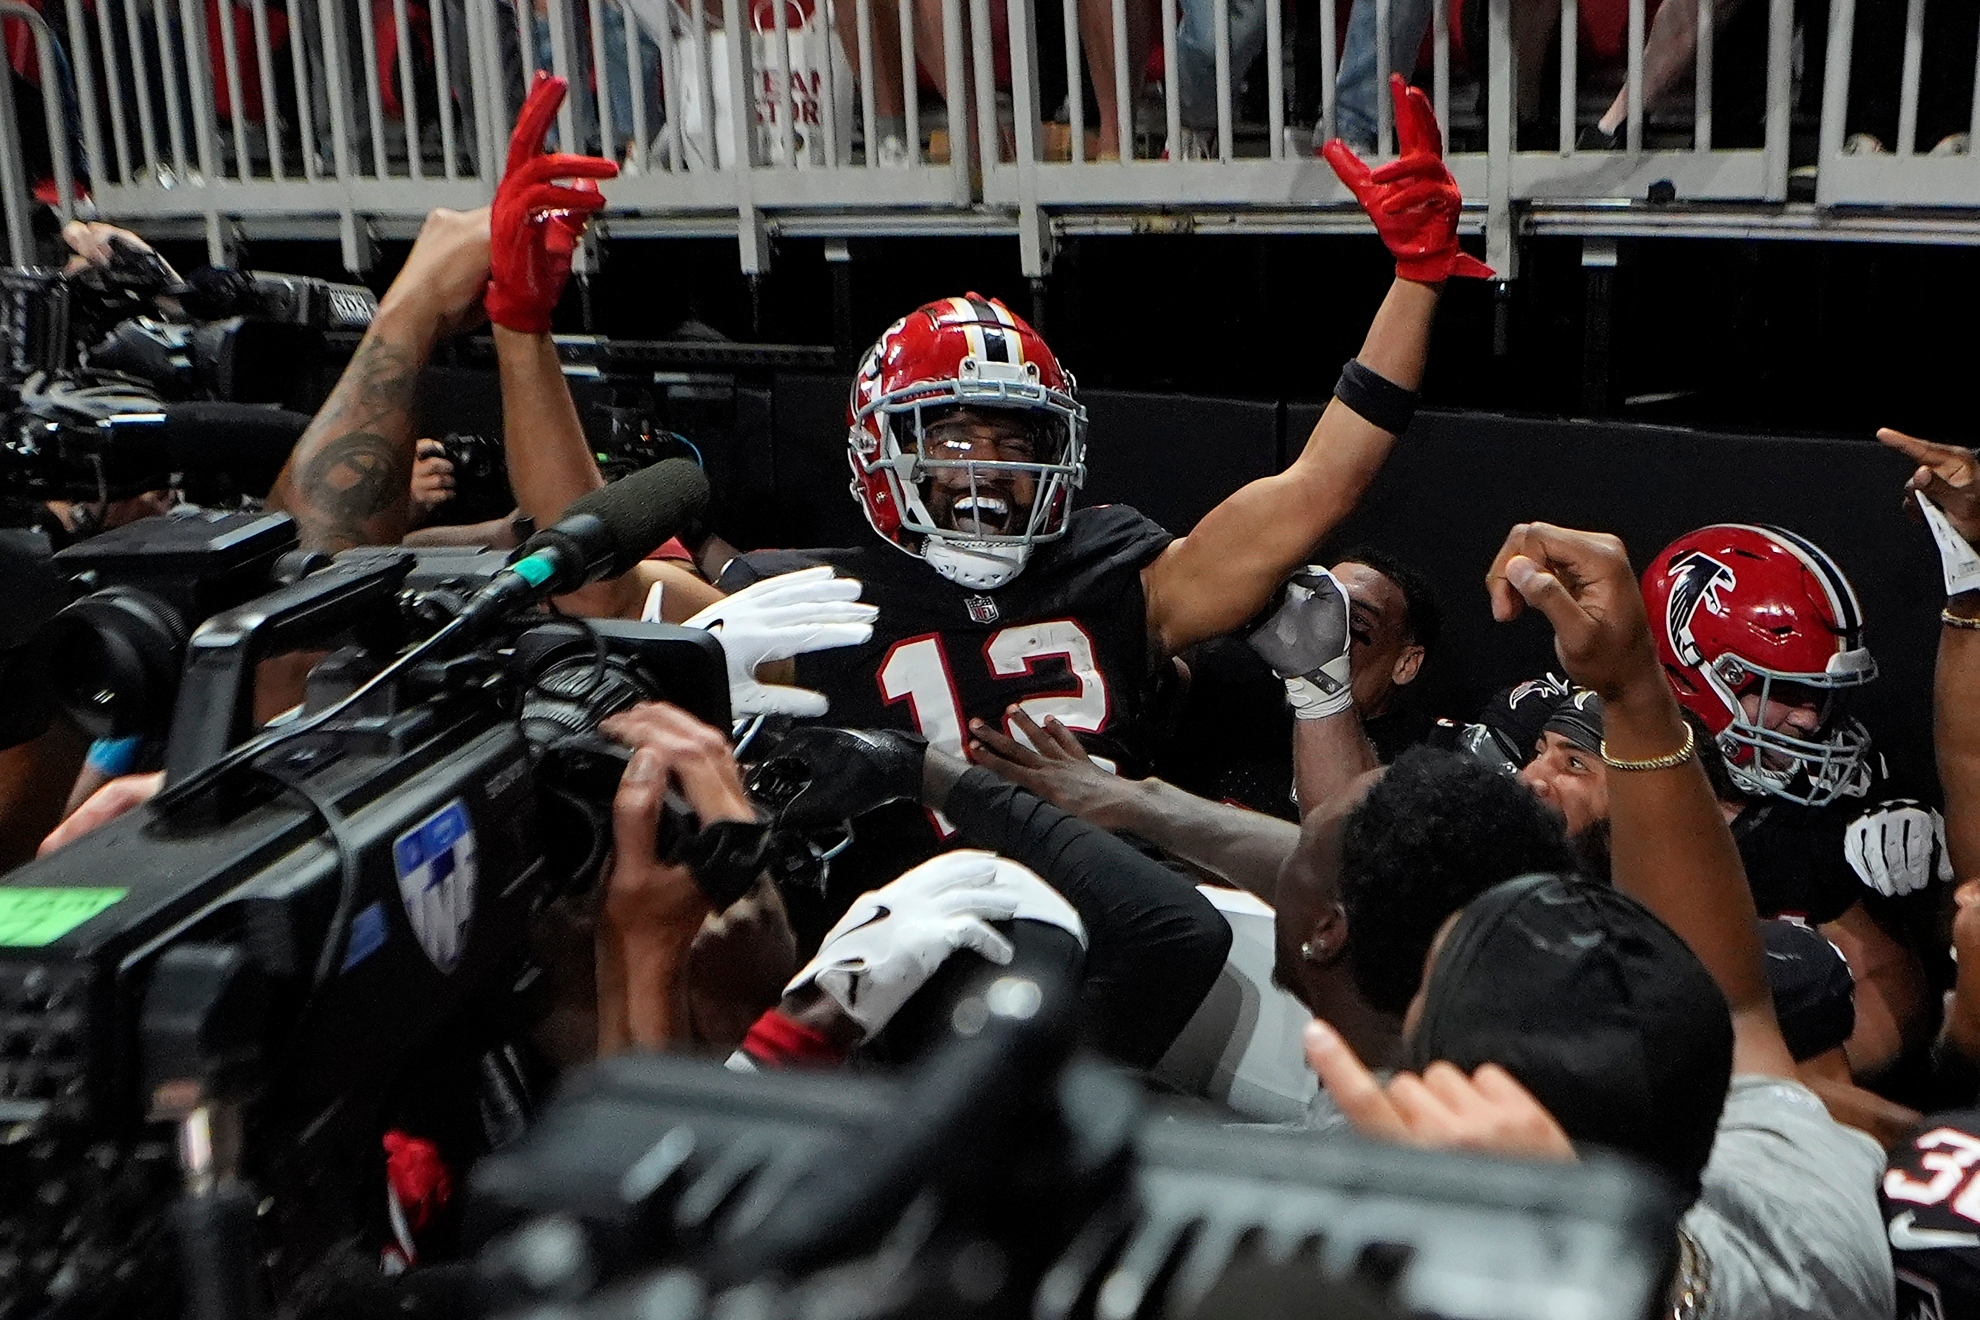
[1835, 587]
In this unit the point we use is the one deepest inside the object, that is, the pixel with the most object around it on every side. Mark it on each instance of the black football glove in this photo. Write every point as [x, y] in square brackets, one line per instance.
[825, 776]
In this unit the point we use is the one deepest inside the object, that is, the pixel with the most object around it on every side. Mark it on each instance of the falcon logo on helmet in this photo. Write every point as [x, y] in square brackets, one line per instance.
[969, 516]
[1699, 579]
[1760, 622]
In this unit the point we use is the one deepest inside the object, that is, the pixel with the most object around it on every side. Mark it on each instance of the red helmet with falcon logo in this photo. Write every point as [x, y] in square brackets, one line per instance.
[1750, 619]
[969, 353]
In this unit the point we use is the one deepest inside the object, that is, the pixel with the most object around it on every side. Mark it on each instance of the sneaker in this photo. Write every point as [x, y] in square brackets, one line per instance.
[893, 153]
[1863, 144]
[1592, 138]
[1365, 150]
[1197, 144]
[1952, 144]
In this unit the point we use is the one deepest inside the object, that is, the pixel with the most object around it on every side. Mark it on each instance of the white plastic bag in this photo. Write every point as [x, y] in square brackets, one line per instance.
[824, 101]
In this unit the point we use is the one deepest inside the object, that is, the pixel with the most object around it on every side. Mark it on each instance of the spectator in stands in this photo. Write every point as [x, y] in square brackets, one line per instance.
[1360, 80]
[612, 81]
[1670, 53]
[1784, 1221]
[1945, 83]
[1196, 74]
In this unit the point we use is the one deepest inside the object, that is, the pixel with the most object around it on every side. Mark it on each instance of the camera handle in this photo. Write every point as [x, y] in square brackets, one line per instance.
[215, 710]
[201, 1039]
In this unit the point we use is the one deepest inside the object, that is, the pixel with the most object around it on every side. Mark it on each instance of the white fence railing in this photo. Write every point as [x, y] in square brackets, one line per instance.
[810, 116]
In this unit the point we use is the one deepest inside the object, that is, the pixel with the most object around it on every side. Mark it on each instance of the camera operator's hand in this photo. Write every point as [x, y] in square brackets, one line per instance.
[445, 273]
[780, 617]
[538, 221]
[432, 479]
[850, 771]
[95, 244]
[116, 797]
[1583, 583]
[652, 909]
[891, 940]
[1057, 767]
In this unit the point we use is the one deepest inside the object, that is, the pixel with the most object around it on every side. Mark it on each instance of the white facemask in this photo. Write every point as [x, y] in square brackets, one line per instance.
[980, 565]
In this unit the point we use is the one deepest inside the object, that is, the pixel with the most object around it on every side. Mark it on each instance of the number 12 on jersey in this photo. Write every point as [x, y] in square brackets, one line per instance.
[917, 670]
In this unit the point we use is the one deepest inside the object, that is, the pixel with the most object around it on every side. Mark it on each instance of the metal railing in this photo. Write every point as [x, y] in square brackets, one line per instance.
[808, 116]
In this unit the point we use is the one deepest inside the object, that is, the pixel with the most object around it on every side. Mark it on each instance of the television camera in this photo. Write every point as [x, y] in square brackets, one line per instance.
[114, 377]
[243, 966]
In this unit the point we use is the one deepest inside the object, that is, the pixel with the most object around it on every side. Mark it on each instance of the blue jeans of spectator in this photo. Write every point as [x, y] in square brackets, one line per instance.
[1196, 54]
[610, 81]
[1359, 82]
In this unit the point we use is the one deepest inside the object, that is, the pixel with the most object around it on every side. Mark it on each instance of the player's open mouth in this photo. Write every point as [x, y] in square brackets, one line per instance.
[981, 514]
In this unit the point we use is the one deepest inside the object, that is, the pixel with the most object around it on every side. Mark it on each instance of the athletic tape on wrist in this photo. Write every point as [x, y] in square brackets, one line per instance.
[1957, 560]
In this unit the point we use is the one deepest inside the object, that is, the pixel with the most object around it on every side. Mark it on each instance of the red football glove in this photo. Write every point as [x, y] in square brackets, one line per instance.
[1413, 200]
[536, 222]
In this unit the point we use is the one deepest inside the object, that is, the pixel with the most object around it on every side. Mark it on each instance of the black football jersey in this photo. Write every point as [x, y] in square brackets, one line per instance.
[1798, 866]
[1067, 637]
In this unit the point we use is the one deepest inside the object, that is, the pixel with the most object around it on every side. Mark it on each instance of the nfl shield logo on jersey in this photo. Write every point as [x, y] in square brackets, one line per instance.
[981, 609]
[435, 860]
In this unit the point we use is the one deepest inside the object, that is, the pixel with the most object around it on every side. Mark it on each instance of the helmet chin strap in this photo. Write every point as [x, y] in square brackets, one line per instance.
[981, 565]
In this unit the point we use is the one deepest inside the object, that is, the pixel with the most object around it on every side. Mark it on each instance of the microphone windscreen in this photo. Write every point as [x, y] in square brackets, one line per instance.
[245, 441]
[640, 512]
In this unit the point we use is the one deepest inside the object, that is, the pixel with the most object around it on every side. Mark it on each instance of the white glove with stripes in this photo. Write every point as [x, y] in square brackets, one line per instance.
[892, 939]
[1898, 847]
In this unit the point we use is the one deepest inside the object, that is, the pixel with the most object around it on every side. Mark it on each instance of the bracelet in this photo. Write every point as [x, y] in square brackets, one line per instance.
[1379, 400]
[1670, 762]
[1951, 620]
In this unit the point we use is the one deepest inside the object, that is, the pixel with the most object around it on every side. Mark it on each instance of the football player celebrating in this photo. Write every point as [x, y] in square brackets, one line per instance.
[996, 595]
[1760, 634]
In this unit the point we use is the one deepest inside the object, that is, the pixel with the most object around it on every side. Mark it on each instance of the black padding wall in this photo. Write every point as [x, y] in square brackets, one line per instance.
[1458, 482]
[1444, 501]
[1173, 456]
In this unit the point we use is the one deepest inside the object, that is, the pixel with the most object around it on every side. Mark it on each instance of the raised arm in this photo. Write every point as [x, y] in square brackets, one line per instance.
[1949, 476]
[347, 482]
[1670, 846]
[1223, 572]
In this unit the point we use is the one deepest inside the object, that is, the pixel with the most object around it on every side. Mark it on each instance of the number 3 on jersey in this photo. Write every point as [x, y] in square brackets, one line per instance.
[917, 671]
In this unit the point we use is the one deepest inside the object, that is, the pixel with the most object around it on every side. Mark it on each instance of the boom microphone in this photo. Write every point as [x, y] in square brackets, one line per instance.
[600, 536]
[247, 441]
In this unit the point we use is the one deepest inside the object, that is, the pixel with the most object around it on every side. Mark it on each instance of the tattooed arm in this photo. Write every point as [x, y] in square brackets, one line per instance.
[347, 481]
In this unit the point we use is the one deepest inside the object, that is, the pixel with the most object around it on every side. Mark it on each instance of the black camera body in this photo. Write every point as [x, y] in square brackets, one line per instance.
[271, 944]
[89, 360]
[117, 650]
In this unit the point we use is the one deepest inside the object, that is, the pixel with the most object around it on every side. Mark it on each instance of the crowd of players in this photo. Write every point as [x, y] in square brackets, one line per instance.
[1668, 900]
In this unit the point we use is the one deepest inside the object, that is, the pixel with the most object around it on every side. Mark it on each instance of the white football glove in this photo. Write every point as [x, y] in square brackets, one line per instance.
[892, 939]
[1306, 643]
[1898, 847]
[780, 617]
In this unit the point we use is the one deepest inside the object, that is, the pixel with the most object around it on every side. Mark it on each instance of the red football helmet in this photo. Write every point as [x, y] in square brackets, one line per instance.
[1737, 609]
[970, 352]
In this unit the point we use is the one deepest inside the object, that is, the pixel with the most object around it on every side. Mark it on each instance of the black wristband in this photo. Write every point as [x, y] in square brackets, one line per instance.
[1375, 397]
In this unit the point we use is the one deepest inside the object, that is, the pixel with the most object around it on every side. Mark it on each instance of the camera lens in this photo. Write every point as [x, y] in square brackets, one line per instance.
[116, 657]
